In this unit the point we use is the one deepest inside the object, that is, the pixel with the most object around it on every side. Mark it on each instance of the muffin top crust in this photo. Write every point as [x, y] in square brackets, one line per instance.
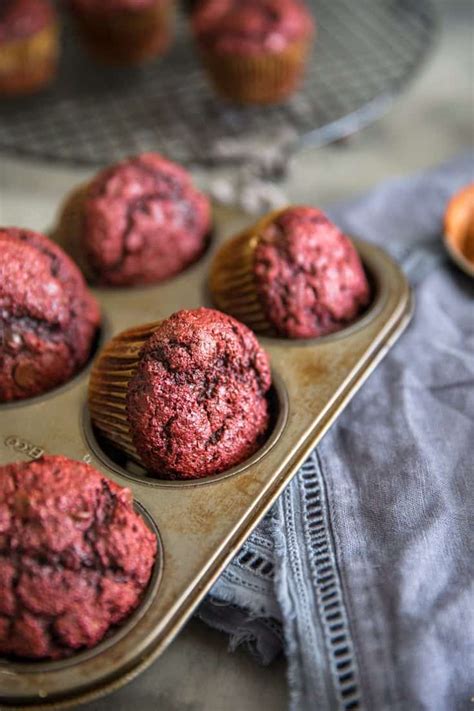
[48, 317]
[251, 26]
[197, 404]
[143, 221]
[20, 19]
[75, 558]
[308, 275]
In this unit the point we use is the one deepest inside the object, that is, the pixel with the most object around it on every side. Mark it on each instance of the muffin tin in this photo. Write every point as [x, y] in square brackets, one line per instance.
[200, 524]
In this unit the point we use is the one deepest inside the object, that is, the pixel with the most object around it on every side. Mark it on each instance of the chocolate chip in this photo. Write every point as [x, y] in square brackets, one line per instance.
[24, 375]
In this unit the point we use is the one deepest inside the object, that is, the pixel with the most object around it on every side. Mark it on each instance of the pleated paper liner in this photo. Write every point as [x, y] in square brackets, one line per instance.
[27, 65]
[108, 385]
[259, 79]
[232, 282]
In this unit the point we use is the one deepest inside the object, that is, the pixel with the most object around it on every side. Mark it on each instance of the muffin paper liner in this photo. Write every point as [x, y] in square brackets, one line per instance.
[232, 282]
[68, 230]
[128, 36]
[261, 79]
[108, 385]
[27, 65]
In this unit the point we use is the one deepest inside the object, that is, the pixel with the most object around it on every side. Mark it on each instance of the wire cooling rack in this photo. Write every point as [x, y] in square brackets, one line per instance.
[366, 51]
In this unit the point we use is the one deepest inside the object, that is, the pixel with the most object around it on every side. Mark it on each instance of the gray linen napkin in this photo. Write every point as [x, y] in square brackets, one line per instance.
[363, 569]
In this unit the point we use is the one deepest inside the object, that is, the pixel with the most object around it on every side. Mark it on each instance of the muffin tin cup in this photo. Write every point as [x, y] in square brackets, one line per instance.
[202, 523]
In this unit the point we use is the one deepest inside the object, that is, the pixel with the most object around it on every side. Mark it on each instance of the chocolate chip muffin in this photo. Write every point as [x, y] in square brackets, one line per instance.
[138, 222]
[75, 558]
[192, 390]
[255, 51]
[293, 274]
[48, 317]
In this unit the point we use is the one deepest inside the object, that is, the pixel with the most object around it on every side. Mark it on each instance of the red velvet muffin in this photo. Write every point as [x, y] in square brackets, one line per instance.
[124, 31]
[75, 558]
[254, 50]
[48, 318]
[138, 222]
[28, 45]
[194, 391]
[294, 274]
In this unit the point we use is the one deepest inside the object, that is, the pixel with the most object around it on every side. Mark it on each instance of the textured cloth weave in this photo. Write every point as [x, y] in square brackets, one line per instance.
[363, 569]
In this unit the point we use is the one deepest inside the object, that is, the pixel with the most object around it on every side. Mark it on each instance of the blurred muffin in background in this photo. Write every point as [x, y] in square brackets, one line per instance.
[29, 46]
[124, 31]
[189, 5]
[137, 222]
[255, 51]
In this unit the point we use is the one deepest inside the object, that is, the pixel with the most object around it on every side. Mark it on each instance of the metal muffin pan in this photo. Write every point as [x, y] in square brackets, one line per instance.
[201, 524]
